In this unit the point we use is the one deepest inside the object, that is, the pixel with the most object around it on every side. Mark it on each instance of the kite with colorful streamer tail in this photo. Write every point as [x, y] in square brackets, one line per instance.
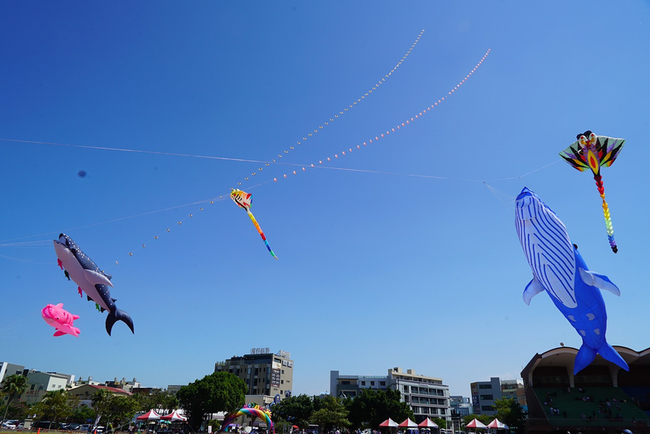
[244, 200]
[593, 152]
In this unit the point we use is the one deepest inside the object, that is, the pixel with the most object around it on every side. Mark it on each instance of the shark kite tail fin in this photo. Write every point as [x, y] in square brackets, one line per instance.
[119, 315]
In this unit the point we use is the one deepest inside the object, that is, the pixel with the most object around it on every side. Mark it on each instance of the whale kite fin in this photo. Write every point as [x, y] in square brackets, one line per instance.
[532, 289]
[599, 280]
[96, 278]
[119, 315]
[609, 353]
[58, 333]
[585, 356]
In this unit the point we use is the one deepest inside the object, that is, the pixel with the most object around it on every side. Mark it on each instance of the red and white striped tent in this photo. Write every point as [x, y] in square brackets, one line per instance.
[408, 423]
[497, 424]
[174, 417]
[150, 415]
[477, 424]
[388, 423]
[428, 423]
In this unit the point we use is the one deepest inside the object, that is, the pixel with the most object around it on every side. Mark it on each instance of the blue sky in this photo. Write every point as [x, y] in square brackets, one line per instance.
[377, 268]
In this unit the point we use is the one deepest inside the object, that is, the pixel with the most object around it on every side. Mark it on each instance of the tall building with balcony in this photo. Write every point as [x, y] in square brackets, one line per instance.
[264, 373]
[426, 396]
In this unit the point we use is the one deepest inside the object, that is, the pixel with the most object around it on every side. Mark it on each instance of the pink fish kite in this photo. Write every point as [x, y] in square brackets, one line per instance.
[60, 319]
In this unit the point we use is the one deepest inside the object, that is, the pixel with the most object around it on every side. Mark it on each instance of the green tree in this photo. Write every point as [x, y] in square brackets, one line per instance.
[442, 424]
[296, 410]
[83, 413]
[332, 414]
[159, 400]
[121, 409]
[13, 386]
[100, 401]
[220, 391]
[17, 410]
[510, 412]
[114, 409]
[372, 407]
[55, 406]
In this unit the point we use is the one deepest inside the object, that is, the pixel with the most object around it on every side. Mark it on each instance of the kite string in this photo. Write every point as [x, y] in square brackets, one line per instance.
[139, 151]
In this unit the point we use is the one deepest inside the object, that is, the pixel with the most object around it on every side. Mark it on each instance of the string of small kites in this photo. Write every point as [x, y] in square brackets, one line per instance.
[346, 109]
[237, 194]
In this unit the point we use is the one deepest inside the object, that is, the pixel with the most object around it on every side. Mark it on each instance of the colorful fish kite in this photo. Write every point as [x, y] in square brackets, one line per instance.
[593, 152]
[244, 200]
[60, 319]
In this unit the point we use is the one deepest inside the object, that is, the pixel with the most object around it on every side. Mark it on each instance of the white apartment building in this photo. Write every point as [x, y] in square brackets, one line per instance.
[427, 396]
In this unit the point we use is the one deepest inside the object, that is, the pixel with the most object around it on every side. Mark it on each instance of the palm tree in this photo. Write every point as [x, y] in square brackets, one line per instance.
[13, 386]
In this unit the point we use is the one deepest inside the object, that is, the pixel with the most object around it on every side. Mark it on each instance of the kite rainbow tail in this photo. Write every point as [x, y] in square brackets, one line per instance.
[608, 217]
[259, 229]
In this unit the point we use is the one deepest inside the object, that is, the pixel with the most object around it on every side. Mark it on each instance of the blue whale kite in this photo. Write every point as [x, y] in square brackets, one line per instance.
[559, 270]
[90, 278]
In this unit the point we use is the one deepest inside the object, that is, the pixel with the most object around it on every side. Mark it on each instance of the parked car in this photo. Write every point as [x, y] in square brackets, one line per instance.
[84, 427]
[8, 425]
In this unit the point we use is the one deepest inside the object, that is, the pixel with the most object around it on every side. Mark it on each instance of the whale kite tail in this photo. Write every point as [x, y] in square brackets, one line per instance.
[119, 315]
[586, 355]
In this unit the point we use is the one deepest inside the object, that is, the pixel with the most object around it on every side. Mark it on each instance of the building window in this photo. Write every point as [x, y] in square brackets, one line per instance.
[487, 397]
[363, 383]
[372, 383]
[382, 383]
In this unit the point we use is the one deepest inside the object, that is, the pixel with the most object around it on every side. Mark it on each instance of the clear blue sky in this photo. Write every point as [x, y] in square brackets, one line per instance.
[375, 270]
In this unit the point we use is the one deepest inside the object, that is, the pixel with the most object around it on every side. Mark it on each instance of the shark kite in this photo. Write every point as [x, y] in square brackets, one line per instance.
[91, 280]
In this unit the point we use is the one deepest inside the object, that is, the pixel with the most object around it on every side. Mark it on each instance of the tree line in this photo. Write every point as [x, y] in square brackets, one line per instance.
[225, 392]
[60, 406]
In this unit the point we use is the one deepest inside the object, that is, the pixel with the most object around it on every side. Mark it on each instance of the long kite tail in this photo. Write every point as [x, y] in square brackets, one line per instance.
[259, 229]
[608, 217]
